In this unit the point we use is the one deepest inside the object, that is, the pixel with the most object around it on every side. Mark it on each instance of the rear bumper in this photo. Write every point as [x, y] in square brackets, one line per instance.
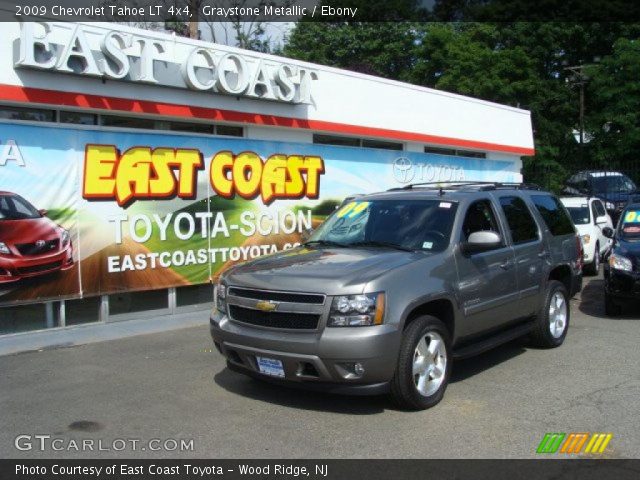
[318, 360]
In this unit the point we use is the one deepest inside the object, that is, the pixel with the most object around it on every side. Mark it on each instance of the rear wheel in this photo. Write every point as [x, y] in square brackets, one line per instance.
[424, 364]
[553, 319]
[593, 267]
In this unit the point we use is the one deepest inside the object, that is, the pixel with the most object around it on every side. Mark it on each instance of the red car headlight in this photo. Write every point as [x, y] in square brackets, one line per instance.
[64, 237]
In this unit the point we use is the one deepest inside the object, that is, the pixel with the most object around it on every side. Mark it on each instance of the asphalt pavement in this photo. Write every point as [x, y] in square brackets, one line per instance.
[173, 386]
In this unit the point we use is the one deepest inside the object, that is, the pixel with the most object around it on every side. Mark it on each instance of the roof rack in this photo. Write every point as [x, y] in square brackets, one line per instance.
[482, 186]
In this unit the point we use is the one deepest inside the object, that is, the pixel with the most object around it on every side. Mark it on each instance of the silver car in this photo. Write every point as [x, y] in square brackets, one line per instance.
[394, 286]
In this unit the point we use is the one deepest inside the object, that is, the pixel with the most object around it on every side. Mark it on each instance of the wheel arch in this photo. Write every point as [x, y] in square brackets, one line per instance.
[440, 307]
[561, 273]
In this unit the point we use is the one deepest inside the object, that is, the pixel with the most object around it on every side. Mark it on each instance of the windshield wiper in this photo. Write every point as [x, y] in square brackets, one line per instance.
[327, 243]
[375, 243]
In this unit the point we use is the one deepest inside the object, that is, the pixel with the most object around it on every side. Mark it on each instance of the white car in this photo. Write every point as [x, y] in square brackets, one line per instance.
[590, 217]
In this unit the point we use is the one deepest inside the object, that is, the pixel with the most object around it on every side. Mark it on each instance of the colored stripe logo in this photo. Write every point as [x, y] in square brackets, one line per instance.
[574, 443]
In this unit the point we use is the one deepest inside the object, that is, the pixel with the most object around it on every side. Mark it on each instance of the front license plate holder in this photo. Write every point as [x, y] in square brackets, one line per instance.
[270, 366]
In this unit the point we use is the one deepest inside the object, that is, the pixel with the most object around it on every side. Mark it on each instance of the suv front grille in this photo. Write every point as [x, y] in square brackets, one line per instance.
[312, 298]
[302, 321]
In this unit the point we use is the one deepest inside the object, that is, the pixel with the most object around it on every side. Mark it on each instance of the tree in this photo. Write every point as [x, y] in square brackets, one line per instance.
[522, 64]
[614, 92]
[383, 49]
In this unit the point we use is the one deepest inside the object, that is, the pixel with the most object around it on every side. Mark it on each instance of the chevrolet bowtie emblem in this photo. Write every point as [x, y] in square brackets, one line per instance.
[266, 306]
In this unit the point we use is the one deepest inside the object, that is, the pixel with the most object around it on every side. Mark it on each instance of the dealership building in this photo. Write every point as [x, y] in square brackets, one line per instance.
[81, 102]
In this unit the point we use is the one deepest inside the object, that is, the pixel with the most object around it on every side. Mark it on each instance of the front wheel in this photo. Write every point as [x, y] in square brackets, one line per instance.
[424, 364]
[553, 319]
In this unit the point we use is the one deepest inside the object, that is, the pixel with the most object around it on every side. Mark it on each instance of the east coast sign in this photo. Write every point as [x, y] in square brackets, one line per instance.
[95, 50]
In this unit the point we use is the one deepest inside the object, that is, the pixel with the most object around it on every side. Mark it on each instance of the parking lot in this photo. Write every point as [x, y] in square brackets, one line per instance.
[173, 386]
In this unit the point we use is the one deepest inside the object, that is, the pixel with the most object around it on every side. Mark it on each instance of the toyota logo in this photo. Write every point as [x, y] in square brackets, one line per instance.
[403, 170]
[40, 243]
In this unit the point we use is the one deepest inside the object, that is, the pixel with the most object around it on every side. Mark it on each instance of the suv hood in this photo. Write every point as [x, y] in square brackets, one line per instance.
[321, 270]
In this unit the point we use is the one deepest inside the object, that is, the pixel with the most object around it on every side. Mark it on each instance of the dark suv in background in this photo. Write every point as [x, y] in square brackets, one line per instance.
[613, 188]
[622, 265]
[394, 286]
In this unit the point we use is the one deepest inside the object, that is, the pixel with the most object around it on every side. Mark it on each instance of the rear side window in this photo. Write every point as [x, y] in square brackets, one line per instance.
[553, 214]
[599, 208]
[521, 224]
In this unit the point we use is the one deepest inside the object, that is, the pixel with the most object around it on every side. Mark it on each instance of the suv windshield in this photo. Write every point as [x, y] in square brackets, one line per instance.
[630, 224]
[406, 224]
[13, 207]
[613, 183]
[579, 215]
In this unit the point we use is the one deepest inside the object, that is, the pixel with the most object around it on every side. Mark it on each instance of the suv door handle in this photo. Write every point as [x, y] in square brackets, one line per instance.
[543, 254]
[506, 265]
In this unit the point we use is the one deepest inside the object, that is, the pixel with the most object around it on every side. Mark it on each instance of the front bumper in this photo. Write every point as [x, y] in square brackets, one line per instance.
[14, 268]
[621, 284]
[318, 360]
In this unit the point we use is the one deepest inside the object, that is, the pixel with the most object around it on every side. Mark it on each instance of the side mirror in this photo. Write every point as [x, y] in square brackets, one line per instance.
[607, 232]
[43, 212]
[601, 220]
[481, 242]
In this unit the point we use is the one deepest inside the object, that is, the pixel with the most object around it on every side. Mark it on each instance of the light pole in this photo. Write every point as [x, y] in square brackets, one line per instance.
[580, 79]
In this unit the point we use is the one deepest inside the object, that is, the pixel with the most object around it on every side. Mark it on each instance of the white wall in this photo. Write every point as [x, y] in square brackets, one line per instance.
[338, 96]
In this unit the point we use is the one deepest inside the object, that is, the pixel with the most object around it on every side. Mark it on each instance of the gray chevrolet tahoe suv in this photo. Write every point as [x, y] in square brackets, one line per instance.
[394, 286]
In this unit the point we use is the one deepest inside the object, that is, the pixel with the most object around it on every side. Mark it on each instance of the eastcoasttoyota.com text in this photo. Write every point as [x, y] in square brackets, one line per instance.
[321, 239]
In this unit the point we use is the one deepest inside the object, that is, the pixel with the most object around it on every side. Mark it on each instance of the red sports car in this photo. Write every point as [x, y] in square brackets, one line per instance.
[30, 243]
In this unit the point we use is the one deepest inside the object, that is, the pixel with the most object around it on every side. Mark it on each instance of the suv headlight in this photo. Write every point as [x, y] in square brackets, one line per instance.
[610, 206]
[4, 249]
[620, 263]
[220, 297]
[357, 310]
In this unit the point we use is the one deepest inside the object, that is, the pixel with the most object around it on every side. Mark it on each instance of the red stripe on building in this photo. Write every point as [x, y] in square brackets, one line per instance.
[14, 93]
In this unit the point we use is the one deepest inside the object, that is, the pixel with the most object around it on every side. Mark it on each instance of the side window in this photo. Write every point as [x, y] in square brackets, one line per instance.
[553, 214]
[594, 212]
[479, 217]
[521, 224]
[599, 208]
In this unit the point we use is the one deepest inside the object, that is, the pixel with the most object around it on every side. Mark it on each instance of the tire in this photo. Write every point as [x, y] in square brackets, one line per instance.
[611, 308]
[423, 334]
[550, 330]
[593, 267]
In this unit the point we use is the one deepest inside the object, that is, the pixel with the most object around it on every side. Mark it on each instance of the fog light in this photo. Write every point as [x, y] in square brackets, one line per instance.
[350, 370]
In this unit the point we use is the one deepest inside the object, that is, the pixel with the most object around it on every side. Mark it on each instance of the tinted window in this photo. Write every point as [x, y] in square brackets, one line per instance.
[630, 224]
[555, 217]
[617, 183]
[479, 217]
[579, 215]
[13, 207]
[521, 224]
[600, 211]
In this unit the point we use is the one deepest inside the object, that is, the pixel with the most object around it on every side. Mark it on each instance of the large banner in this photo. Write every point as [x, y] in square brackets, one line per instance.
[86, 212]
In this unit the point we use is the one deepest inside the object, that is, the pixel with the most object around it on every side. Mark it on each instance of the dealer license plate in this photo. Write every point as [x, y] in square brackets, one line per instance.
[270, 366]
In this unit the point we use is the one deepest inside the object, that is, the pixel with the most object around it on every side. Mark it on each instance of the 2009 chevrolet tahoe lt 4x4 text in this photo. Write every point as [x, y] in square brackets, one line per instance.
[394, 286]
